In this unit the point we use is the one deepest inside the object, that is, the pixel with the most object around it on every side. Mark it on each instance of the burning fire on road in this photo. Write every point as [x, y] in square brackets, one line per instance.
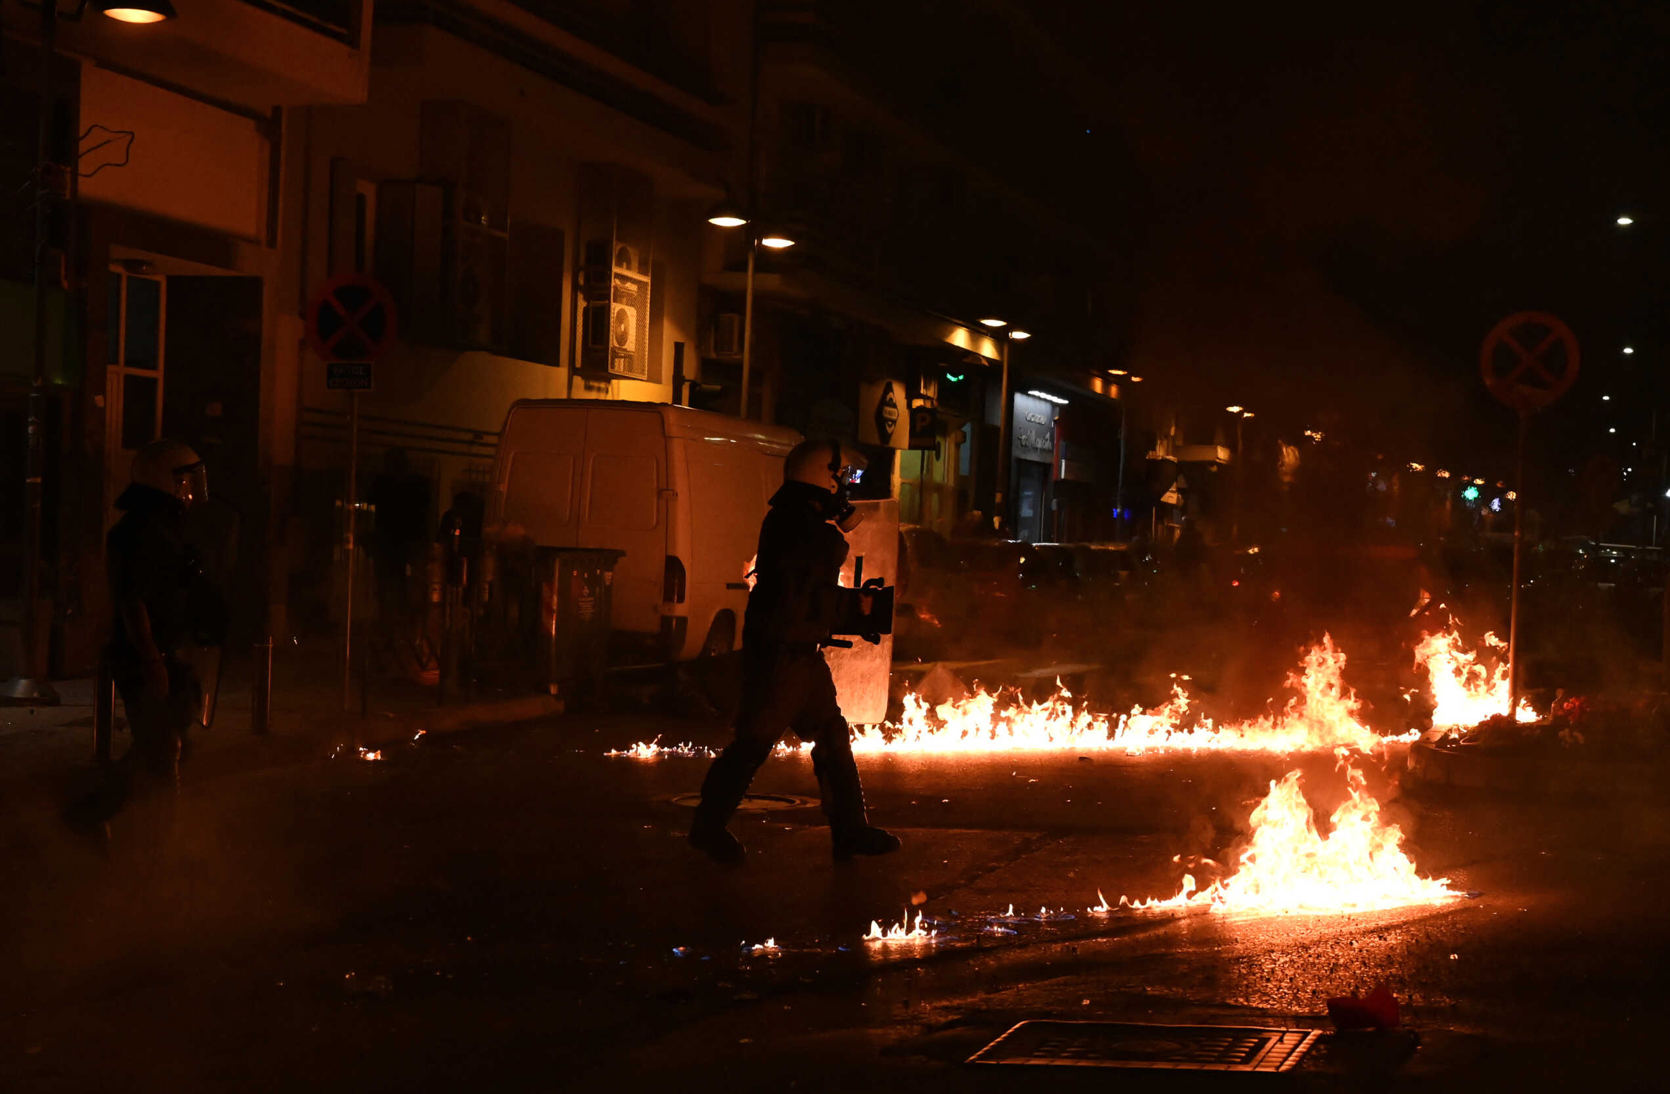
[1464, 691]
[1324, 713]
[901, 932]
[1289, 868]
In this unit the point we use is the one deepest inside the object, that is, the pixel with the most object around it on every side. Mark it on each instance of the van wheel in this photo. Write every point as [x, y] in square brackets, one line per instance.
[721, 636]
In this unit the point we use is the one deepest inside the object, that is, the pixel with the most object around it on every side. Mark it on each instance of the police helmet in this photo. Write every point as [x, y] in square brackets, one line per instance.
[824, 463]
[173, 468]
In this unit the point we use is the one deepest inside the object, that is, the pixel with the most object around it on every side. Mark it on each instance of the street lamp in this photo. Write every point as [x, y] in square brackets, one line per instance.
[727, 215]
[30, 686]
[1241, 415]
[1005, 417]
[138, 11]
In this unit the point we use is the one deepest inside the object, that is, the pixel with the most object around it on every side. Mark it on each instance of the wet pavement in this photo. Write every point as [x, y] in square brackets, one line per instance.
[512, 909]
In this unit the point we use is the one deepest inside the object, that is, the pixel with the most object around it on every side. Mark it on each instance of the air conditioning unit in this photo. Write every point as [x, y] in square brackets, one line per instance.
[626, 260]
[727, 334]
[614, 279]
[629, 328]
[623, 329]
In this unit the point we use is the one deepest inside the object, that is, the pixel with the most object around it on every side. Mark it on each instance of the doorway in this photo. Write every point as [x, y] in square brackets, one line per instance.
[1031, 500]
[134, 375]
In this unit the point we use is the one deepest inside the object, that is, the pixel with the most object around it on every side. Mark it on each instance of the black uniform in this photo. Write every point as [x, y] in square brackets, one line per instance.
[793, 607]
[151, 563]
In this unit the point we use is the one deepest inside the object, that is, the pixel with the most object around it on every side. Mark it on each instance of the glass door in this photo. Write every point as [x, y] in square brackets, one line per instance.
[134, 374]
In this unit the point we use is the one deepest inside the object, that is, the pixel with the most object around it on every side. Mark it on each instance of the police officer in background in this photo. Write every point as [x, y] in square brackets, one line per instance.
[792, 612]
[162, 601]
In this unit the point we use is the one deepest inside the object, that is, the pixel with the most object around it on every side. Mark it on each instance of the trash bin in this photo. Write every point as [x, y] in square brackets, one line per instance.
[575, 586]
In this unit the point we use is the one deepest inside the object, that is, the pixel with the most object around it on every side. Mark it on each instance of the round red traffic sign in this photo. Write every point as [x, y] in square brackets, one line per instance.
[1529, 359]
[351, 318]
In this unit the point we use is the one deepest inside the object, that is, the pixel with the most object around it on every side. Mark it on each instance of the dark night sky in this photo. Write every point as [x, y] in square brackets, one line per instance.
[1334, 210]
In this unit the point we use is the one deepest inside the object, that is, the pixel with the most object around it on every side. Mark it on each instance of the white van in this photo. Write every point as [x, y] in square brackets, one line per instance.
[681, 491]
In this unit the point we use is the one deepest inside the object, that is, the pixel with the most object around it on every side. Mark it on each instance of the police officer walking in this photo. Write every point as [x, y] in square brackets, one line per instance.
[793, 610]
[162, 601]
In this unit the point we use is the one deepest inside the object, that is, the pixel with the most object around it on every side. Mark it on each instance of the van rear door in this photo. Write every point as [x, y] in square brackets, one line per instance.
[621, 507]
[537, 478]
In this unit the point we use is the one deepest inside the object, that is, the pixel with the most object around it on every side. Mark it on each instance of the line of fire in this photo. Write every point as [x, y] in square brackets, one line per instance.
[824, 544]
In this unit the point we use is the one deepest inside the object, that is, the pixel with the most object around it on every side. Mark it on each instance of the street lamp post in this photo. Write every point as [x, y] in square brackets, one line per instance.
[1005, 417]
[1241, 415]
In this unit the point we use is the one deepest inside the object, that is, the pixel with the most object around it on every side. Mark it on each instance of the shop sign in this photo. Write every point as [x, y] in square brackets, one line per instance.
[882, 414]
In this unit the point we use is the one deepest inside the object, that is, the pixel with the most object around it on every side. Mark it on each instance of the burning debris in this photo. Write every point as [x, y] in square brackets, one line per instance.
[1466, 693]
[769, 946]
[1324, 714]
[1288, 868]
[655, 750]
[901, 932]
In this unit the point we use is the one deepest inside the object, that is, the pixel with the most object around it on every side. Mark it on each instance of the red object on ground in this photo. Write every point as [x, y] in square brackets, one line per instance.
[1376, 1010]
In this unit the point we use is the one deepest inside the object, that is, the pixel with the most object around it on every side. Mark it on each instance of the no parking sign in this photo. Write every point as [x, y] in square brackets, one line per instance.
[350, 323]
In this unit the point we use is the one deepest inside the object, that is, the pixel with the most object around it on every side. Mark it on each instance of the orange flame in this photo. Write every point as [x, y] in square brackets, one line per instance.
[1325, 713]
[655, 750]
[1465, 692]
[898, 932]
[1289, 868]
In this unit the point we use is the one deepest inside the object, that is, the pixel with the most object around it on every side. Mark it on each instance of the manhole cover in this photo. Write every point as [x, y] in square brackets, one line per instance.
[1118, 1044]
[750, 801]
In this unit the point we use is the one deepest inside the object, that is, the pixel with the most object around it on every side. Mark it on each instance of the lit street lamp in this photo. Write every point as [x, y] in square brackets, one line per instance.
[726, 215]
[1241, 415]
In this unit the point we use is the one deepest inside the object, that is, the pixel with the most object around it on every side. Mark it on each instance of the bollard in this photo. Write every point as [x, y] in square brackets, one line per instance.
[104, 713]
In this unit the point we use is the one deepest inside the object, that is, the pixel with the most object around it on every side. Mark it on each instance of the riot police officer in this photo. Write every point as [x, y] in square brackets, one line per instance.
[161, 601]
[793, 609]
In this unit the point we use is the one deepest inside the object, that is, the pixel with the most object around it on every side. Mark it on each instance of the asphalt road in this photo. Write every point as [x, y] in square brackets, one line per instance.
[512, 910]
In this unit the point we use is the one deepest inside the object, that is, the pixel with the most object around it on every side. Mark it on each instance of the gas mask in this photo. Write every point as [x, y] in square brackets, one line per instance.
[847, 470]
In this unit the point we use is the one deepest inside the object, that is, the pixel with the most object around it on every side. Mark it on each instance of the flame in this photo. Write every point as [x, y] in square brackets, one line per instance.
[898, 932]
[1288, 868]
[749, 577]
[1324, 714]
[655, 750]
[1465, 692]
[372, 754]
[769, 946]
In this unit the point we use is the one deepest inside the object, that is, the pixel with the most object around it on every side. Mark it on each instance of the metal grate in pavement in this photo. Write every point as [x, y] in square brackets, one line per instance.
[1122, 1044]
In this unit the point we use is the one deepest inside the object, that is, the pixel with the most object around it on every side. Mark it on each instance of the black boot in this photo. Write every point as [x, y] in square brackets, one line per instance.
[722, 791]
[850, 830]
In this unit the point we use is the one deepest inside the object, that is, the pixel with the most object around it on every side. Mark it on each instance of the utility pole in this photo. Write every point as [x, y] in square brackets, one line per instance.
[30, 687]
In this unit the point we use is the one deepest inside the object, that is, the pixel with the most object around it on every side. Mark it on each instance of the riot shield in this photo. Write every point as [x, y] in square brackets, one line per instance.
[862, 672]
[211, 534]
